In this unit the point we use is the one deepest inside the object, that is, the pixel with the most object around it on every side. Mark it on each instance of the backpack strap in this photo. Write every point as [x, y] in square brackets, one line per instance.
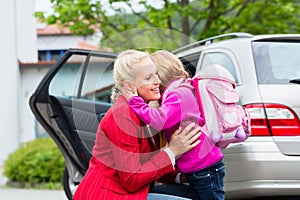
[194, 83]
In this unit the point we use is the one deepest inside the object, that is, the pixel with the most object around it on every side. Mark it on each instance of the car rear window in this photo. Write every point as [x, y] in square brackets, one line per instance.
[276, 62]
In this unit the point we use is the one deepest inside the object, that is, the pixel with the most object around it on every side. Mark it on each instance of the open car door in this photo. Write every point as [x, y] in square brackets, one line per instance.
[69, 103]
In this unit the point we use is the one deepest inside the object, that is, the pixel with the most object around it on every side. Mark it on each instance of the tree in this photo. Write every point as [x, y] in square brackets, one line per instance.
[170, 24]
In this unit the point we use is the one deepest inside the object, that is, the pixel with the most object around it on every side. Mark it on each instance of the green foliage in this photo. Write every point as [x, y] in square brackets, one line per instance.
[37, 161]
[183, 21]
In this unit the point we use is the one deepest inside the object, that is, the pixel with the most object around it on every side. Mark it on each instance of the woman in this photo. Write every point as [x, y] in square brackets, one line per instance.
[125, 160]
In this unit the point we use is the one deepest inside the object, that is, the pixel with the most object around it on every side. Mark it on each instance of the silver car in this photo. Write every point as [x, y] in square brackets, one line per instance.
[267, 72]
[74, 95]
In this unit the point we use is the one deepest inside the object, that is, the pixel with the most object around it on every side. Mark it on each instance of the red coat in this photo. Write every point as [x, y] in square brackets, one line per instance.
[125, 160]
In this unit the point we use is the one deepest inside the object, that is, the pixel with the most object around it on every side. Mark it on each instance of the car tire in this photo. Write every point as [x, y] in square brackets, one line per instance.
[68, 185]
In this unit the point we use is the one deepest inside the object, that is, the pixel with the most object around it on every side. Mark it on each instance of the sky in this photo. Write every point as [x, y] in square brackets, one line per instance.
[45, 5]
[42, 5]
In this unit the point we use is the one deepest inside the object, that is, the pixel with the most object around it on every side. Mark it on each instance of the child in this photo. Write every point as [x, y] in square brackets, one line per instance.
[203, 165]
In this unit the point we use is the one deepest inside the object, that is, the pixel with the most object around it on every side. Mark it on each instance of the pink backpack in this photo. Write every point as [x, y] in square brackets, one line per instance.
[215, 91]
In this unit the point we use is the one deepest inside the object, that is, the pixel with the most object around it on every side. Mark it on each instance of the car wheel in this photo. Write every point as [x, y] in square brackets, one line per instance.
[69, 185]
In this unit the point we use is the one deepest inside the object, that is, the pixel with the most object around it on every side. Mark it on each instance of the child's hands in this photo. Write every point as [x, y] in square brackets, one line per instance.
[129, 91]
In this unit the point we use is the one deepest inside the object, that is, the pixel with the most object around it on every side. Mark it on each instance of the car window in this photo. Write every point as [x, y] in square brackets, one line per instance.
[84, 77]
[190, 62]
[276, 62]
[65, 81]
[98, 81]
[221, 59]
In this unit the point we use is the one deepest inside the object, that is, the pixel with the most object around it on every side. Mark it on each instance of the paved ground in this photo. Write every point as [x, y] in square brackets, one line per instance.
[24, 194]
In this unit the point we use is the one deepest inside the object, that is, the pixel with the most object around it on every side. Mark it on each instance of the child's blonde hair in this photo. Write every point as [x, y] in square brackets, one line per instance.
[123, 69]
[169, 66]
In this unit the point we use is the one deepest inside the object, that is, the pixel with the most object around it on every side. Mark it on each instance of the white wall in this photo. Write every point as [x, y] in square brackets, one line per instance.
[30, 77]
[18, 41]
[26, 53]
[9, 81]
[26, 31]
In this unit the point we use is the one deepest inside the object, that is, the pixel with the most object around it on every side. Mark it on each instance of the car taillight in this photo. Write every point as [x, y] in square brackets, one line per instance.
[273, 120]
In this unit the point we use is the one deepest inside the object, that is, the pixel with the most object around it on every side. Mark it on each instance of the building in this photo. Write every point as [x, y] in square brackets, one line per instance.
[30, 48]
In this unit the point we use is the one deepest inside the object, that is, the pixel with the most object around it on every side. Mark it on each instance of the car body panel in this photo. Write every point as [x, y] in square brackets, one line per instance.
[281, 94]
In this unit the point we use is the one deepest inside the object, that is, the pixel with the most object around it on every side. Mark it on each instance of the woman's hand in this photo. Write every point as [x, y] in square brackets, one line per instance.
[184, 140]
[129, 91]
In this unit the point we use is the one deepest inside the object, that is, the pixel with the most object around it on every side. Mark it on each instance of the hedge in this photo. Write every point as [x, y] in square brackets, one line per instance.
[37, 161]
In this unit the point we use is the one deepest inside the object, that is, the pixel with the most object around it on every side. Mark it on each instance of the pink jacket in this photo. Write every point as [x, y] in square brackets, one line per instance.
[179, 107]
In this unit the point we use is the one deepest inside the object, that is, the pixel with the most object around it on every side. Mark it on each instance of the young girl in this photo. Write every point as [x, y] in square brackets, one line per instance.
[203, 165]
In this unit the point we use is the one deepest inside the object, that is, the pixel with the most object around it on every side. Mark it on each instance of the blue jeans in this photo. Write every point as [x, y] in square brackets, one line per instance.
[208, 183]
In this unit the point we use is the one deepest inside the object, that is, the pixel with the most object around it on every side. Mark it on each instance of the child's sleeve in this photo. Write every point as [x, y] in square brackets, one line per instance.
[167, 115]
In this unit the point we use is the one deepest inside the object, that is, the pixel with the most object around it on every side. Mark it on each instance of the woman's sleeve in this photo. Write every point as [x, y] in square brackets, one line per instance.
[135, 169]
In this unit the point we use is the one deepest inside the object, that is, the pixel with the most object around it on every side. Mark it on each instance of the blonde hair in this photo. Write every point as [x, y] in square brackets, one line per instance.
[123, 69]
[169, 66]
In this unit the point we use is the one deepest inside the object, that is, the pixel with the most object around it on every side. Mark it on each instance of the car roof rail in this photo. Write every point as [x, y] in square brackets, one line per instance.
[211, 39]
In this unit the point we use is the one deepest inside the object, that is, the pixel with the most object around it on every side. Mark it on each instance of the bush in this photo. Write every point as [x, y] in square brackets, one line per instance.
[37, 161]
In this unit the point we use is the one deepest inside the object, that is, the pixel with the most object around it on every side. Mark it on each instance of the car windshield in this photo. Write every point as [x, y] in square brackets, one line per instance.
[277, 62]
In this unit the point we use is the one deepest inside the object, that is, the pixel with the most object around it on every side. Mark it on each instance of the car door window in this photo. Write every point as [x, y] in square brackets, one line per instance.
[98, 81]
[84, 77]
[65, 82]
[221, 59]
